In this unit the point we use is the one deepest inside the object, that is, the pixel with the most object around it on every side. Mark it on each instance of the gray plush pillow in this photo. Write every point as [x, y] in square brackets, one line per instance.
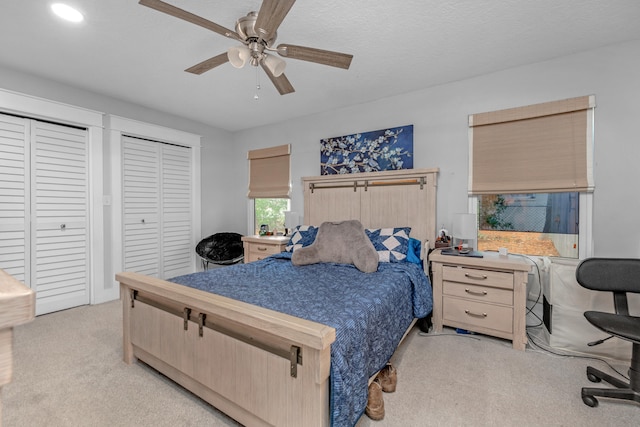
[340, 242]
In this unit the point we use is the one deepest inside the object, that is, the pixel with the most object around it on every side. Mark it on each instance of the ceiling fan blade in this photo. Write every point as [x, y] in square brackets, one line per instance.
[326, 57]
[208, 64]
[189, 17]
[281, 82]
[270, 16]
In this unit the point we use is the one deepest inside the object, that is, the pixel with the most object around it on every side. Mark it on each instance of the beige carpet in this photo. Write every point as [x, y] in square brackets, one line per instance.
[69, 372]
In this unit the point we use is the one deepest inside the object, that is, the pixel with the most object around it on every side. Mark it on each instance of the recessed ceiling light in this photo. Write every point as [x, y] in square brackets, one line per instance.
[67, 12]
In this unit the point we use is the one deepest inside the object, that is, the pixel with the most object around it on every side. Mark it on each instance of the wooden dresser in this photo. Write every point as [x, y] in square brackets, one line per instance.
[485, 295]
[259, 247]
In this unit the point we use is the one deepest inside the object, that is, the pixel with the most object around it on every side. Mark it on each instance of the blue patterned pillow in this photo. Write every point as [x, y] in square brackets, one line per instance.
[392, 244]
[303, 235]
[413, 254]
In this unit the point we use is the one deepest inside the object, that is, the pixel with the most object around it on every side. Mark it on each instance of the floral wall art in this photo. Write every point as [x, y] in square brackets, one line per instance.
[378, 150]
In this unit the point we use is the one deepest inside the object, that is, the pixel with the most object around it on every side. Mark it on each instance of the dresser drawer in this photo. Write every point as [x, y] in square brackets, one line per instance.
[474, 276]
[496, 317]
[264, 249]
[478, 292]
[258, 251]
[255, 257]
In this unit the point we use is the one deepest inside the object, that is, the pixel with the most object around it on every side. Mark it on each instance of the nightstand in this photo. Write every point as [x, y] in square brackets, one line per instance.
[259, 247]
[485, 295]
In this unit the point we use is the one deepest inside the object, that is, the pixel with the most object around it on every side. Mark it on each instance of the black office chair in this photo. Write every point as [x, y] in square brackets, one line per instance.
[617, 275]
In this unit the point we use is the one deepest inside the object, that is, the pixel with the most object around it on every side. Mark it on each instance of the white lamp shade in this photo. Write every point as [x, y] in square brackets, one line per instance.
[274, 64]
[238, 55]
[465, 227]
[291, 219]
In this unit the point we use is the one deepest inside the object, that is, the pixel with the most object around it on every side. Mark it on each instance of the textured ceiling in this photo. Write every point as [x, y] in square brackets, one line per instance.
[130, 52]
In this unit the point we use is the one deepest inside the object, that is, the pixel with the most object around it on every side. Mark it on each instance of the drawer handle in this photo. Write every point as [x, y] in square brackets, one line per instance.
[473, 276]
[471, 313]
[262, 248]
[469, 291]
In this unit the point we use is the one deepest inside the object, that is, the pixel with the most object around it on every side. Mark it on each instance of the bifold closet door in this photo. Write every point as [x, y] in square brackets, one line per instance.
[44, 239]
[60, 261]
[15, 202]
[177, 250]
[157, 204]
[141, 204]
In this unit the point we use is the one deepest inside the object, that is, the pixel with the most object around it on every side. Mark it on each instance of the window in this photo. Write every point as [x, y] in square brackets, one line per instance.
[269, 172]
[271, 213]
[269, 187]
[531, 177]
[544, 224]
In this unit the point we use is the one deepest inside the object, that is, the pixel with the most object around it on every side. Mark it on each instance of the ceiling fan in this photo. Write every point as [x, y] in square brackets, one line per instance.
[257, 33]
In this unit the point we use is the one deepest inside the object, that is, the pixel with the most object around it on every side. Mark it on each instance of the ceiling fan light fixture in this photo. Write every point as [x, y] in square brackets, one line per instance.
[238, 55]
[257, 34]
[274, 64]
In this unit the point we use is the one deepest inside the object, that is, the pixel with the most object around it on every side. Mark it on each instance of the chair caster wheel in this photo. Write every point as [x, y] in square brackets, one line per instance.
[590, 401]
[593, 378]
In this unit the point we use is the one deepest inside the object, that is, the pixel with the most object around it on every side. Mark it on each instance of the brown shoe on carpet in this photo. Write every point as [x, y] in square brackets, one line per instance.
[388, 378]
[375, 402]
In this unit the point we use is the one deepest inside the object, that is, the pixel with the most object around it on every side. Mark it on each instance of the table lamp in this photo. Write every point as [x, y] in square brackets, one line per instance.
[291, 221]
[464, 229]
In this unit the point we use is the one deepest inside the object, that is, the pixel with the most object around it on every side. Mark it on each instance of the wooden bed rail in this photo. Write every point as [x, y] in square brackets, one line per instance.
[293, 353]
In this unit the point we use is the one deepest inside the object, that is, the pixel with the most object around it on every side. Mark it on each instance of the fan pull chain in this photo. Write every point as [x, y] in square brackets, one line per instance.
[256, 97]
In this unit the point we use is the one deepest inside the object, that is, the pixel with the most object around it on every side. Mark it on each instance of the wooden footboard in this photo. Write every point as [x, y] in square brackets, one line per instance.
[258, 366]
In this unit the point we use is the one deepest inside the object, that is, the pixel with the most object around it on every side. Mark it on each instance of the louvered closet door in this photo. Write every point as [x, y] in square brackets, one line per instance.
[141, 203]
[157, 208]
[14, 197]
[60, 205]
[177, 253]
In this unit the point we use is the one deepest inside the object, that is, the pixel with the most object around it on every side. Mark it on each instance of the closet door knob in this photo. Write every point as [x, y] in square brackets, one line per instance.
[63, 226]
[143, 220]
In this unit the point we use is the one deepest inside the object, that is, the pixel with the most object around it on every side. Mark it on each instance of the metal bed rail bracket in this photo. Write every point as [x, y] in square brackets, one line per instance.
[366, 184]
[134, 295]
[185, 316]
[295, 357]
[201, 320]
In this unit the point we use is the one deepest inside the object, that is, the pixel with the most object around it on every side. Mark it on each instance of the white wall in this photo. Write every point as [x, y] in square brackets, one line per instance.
[439, 116]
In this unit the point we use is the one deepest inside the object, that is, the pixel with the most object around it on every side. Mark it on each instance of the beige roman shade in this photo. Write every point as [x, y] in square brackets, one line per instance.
[542, 148]
[269, 172]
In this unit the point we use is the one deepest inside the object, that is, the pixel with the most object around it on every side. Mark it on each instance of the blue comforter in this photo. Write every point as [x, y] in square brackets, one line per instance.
[370, 312]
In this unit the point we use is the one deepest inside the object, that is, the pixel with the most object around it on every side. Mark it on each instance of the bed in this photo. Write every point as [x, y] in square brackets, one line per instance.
[280, 362]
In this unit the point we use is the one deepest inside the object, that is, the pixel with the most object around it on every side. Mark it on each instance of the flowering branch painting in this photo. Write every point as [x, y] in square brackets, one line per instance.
[384, 149]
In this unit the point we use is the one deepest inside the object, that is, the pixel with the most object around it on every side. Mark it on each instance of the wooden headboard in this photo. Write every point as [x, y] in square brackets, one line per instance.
[396, 198]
